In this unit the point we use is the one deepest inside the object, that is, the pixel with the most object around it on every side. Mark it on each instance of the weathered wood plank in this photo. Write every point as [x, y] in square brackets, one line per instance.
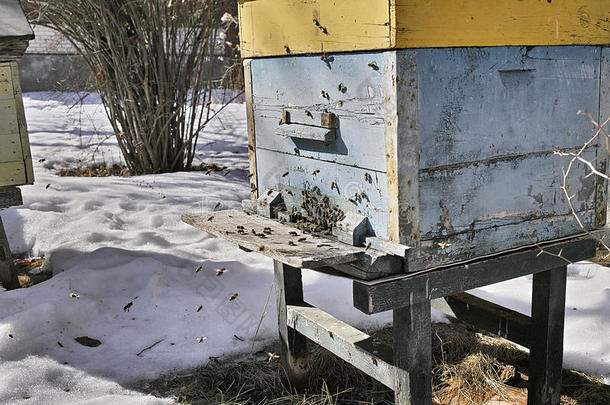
[394, 292]
[504, 192]
[8, 275]
[546, 349]
[388, 247]
[472, 101]
[294, 355]
[251, 127]
[488, 316]
[601, 198]
[12, 173]
[6, 82]
[344, 341]
[10, 147]
[470, 23]
[413, 354]
[271, 27]
[10, 196]
[366, 188]
[304, 254]
[9, 123]
[306, 132]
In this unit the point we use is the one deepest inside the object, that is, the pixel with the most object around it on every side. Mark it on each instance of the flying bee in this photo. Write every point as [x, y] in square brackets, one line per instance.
[201, 339]
[444, 245]
[198, 269]
[285, 174]
[315, 172]
[74, 295]
[234, 296]
[129, 305]
[219, 272]
[48, 185]
[41, 160]
[217, 205]
[10, 335]
[199, 308]
[272, 356]
[59, 344]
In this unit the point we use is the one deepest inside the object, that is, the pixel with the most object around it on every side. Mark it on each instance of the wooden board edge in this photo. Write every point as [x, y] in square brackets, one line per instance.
[251, 129]
[23, 128]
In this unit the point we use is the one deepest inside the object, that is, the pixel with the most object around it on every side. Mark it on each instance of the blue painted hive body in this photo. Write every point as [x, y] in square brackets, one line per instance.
[449, 151]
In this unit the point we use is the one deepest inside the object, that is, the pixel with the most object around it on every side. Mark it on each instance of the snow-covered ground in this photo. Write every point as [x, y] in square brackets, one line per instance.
[114, 241]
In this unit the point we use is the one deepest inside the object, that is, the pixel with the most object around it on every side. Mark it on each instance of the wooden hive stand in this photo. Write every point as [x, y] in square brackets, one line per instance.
[406, 367]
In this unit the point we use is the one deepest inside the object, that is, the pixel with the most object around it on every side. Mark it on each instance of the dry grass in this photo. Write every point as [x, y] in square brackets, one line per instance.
[103, 170]
[24, 268]
[469, 368]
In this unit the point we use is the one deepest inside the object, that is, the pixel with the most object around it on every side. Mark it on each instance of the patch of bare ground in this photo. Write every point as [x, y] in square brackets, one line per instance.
[104, 170]
[469, 368]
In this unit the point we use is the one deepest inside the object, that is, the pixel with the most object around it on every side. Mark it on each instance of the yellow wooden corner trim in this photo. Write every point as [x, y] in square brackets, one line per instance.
[284, 27]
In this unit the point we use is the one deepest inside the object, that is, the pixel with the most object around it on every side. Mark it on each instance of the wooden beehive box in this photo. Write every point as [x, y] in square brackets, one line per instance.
[441, 128]
[15, 157]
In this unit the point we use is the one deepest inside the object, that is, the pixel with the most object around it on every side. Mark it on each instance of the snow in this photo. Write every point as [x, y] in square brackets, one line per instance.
[114, 241]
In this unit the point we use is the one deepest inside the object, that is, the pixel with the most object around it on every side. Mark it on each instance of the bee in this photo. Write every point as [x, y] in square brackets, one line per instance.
[352, 200]
[444, 245]
[253, 187]
[333, 185]
[41, 160]
[234, 296]
[315, 172]
[217, 205]
[208, 172]
[367, 177]
[363, 195]
[293, 233]
[316, 22]
[219, 272]
[128, 306]
[211, 217]
[285, 174]
[341, 88]
[368, 246]
[309, 114]
[251, 148]
[201, 339]
[324, 57]
[315, 189]
[272, 356]
[324, 30]
[324, 94]
[10, 335]
[226, 173]
[241, 227]
[48, 185]
[267, 229]
[199, 308]
[302, 239]
[59, 344]
[74, 295]
[286, 49]
[291, 243]
[373, 66]
[270, 191]
[198, 269]
[297, 151]
[261, 248]
[250, 175]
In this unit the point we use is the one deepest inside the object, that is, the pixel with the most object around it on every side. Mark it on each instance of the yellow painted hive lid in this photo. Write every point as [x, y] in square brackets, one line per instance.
[291, 27]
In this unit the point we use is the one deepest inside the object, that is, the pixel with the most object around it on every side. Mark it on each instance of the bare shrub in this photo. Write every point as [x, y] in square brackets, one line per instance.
[154, 64]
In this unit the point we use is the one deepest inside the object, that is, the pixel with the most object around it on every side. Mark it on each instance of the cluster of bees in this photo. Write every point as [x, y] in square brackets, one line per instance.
[317, 215]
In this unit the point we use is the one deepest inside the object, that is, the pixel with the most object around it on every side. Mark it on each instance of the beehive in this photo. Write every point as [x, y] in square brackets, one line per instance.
[441, 128]
[15, 158]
